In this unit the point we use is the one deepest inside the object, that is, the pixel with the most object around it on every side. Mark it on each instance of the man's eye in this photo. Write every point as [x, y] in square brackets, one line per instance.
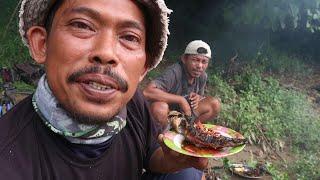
[81, 25]
[131, 38]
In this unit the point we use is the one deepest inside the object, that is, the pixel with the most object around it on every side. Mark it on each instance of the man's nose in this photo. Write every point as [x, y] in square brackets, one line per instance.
[200, 65]
[104, 50]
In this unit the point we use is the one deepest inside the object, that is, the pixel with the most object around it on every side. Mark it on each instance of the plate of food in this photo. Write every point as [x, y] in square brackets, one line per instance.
[247, 171]
[201, 140]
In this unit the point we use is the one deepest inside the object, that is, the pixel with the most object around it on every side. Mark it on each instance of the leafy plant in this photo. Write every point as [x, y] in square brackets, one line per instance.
[226, 163]
[21, 86]
[276, 173]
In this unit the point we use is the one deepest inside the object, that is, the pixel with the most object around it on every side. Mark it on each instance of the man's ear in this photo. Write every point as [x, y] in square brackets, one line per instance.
[144, 73]
[37, 37]
[183, 58]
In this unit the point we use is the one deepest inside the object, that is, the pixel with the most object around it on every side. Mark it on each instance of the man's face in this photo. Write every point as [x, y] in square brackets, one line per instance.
[95, 56]
[195, 65]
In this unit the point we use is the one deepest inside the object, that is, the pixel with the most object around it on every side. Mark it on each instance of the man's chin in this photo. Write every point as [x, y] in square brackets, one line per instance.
[93, 117]
[196, 75]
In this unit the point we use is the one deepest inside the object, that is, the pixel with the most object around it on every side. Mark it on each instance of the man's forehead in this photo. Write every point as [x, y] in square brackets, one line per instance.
[97, 15]
[99, 9]
[198, 56]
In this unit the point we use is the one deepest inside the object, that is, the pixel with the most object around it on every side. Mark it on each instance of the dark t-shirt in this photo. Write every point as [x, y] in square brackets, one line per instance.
[30, 151]
[173, 81]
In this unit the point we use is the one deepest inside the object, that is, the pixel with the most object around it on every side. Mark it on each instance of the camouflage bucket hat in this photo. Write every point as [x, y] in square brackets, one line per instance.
[35, 12]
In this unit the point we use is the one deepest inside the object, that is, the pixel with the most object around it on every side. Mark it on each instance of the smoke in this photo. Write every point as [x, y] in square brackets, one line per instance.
[244, 26]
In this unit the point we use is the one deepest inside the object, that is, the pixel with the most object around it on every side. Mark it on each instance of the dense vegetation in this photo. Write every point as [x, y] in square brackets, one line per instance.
[271, 116]
[272, 38]
[11, 48]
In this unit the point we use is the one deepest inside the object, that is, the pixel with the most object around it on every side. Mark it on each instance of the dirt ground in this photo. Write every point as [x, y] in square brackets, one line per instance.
[250, 152]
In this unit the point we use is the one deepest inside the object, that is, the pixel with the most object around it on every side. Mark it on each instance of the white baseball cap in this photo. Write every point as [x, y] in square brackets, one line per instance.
[198, 47]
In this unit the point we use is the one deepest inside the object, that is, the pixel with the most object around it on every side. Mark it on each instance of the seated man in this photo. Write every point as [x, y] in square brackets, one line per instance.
[181, 87]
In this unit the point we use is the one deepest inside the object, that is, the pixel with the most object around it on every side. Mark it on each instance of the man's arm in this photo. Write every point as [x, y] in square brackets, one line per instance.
[151, 92]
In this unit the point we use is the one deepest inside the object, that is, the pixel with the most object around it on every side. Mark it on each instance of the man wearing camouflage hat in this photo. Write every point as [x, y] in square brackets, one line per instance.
[86, 119]
[181, 87]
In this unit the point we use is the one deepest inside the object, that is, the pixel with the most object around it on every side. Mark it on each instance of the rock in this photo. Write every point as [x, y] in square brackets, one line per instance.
[250, 141]
[264, 147]
[259, 153]
[273, 157]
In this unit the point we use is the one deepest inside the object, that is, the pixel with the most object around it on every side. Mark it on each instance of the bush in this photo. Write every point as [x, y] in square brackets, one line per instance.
[11, 48]
[307, 167]
[274, 61]
[302, 122]
[275, 173]
[21, 86]
[221, 89]
[153, 74]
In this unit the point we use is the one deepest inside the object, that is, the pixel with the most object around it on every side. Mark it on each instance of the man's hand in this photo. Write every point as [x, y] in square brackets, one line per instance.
[194, 99]
[177, 161]
[184, 105]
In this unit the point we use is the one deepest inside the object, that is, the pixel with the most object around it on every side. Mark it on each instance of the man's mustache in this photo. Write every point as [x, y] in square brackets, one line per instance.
[107, 71]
